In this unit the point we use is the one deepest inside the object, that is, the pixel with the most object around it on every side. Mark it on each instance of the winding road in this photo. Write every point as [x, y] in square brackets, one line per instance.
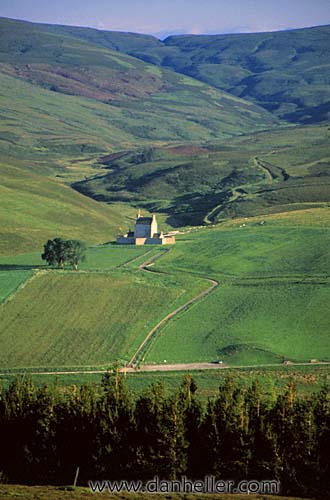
[153, 332]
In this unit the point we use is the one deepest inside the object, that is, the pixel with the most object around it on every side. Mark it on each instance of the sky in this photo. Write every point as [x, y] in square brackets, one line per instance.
[166, 17]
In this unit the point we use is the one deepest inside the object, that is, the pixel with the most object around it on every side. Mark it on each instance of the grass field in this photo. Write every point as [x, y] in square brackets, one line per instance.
[250, 325]
[35, 208]
[269, 250]
[271, 304]
[10, 280]
[268, 187]
[98, 258]
[273, 380]
[87, 318]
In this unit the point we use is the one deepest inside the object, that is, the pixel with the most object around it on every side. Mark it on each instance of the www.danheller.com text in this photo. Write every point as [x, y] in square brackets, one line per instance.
[209, 484]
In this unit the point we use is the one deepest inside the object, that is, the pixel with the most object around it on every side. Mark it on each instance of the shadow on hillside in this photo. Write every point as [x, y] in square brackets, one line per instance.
[20, 267]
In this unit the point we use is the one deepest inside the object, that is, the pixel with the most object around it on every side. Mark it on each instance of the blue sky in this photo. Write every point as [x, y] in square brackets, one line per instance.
[163, 17]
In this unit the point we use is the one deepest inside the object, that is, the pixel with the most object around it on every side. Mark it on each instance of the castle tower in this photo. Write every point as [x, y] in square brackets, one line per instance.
[145, 232]
[153, 226]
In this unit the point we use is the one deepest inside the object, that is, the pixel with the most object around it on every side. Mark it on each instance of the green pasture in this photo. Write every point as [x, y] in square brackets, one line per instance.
[250, 325]
[104, 258]
[272, 379]
[270, 305]
[271, 302]
[252, 250]
[35, 208]
[10, 280]
[68, 318]
[107, 257]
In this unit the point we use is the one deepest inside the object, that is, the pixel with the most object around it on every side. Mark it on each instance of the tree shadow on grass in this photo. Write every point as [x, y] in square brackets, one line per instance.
[21, 267]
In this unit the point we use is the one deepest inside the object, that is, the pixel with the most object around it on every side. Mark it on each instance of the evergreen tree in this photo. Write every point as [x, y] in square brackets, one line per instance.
[150, 439]
[231, 421]
[115, 428]
[76, 434]
[192, 413]
[46, 433]
[322, 441]
[263, 459]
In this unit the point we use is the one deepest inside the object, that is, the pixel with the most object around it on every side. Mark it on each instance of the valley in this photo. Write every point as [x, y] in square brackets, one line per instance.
[225, 138]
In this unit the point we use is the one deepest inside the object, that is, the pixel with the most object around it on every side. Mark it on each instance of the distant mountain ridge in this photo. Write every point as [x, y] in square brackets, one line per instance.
[285, 72]
[186, 144]
[135, 101]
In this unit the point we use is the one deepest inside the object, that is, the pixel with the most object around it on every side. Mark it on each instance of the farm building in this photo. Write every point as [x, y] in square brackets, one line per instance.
[146, 233]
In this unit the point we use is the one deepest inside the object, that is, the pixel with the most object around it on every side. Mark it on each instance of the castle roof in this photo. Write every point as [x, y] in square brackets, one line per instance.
[144, 220]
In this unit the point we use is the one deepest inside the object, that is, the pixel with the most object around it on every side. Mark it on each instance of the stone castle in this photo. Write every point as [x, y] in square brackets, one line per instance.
[146, 233]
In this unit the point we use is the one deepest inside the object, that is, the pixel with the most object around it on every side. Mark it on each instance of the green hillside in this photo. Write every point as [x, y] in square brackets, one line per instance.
[34, 208]
[72, 96]
[93, 317]
[271, 303]
[125, 96]
[116, 117]
[260, 173]
[286, 72]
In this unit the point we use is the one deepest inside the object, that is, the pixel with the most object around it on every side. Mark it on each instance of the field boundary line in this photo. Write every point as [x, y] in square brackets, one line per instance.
[144, 266]
[130, 261]
[21, 286]
[167, 368]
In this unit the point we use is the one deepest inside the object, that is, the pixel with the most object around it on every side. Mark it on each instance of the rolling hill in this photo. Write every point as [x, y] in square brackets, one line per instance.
[34, 208]
[128, 121]
[260, 173]
[70, 97]
[286, 72]
[117, 97]
[270, 304]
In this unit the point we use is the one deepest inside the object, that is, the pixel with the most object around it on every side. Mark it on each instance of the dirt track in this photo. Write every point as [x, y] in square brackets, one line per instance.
[172, 367]
[135, 358]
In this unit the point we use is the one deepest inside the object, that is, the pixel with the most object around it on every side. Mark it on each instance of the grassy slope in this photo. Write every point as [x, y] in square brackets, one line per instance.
[251, 325]
[35, 208]
[286, 72]
[47, 130]
[114, 102]
[256, 173]
[131, 93]
[96, 317]
[271, 302]
[55, 133]
[11, 280]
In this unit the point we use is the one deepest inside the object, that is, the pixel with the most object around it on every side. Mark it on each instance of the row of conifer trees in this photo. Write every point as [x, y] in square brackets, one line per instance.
[47, 432]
